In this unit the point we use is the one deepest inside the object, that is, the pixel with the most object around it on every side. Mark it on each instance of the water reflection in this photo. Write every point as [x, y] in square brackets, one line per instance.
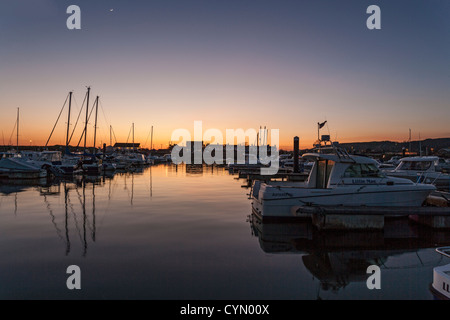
[338, 258]
[10, 186]
[87, 225]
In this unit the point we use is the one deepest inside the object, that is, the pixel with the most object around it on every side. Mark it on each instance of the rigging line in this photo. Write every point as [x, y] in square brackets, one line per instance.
[129, 134]
[10, 138]
[104, 115]
[114, 134]
[78, 118]
[75, 101]
[84, 130]
[57, 119]
[108, 122]
[147, 138]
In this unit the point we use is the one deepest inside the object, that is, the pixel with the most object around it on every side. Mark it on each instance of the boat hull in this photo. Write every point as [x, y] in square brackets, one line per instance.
[441, 282]
[435, 178]
[278, 201]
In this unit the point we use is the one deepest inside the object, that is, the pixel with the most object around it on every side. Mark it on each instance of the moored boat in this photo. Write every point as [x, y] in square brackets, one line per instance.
[18, 168]
[337, 179]
[440, 286]
[423, 169]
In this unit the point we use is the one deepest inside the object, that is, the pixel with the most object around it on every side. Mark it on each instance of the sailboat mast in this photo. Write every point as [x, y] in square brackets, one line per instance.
[85, 124]
[151, 140]
[68, 120]
[133, 136]
[110, 136]
[17, 138]
[95, 125]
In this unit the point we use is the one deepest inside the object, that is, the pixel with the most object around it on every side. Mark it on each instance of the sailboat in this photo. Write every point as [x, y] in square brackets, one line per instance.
[16, 167]
[90, 164]
[131, 159]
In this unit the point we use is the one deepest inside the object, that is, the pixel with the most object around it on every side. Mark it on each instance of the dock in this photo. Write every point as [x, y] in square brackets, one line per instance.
[283, 175]
[371, 218]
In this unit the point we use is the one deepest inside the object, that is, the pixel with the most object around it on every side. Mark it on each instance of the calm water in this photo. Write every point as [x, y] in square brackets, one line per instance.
[187, 233]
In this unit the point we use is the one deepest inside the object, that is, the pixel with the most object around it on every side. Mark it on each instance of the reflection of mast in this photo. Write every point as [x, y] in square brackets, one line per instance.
[93, 212]
[150, 181]
[66, 196]
[109, 190]
[132, 187]
[15, 204]
[84, 219]
[58, 231]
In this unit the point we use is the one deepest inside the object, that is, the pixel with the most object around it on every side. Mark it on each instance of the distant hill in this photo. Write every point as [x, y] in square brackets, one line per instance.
[430, 146]
[439, 146]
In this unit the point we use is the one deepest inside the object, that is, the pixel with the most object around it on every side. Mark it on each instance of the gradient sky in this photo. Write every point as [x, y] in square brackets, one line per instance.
[231, 64]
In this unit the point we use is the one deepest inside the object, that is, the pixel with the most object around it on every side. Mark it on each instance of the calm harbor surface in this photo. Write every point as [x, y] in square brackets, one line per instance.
[178, 232]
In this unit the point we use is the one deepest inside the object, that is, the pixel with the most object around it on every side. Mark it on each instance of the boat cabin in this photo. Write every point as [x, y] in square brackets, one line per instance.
[421, 164]
[331, 169]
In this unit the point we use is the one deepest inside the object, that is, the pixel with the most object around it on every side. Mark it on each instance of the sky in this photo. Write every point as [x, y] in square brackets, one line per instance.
[231, 64]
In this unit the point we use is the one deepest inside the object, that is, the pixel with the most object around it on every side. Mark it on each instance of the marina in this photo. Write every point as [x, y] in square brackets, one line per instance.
[217, 151]
[131, 245]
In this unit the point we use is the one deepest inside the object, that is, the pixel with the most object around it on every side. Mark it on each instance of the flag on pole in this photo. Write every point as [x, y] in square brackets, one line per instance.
[321, 124]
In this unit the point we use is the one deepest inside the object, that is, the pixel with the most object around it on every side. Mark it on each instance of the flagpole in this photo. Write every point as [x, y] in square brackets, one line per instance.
[318, 129]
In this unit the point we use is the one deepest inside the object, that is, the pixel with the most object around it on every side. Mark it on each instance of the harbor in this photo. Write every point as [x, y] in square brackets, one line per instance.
[219, 158]
[332, 208]
[123, 221]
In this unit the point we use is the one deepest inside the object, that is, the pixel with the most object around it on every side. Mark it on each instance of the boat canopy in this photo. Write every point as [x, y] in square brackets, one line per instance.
[420, 159]
[336, 158]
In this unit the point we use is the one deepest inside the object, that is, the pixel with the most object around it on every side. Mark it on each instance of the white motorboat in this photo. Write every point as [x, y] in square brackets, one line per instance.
[337, 179]
[442, 165]
[423, 169]
[441, 277]
[18, 168]
[53, 162]
[130, 159]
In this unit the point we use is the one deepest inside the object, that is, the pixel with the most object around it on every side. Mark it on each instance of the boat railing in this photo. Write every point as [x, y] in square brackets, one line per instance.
[445, 251]
[422, 177]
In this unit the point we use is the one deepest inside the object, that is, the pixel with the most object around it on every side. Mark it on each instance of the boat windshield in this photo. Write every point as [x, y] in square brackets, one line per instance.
[415, 165]
[363, 170]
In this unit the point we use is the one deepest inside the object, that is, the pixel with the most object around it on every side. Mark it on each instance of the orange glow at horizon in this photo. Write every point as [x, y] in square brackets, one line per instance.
[32, 133]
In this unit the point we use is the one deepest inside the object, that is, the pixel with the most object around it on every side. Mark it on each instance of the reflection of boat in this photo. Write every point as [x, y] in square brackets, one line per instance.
[337, 179]
[441, 277]
[194, 169]
[18, 185]
[420, 169]
[337, 259]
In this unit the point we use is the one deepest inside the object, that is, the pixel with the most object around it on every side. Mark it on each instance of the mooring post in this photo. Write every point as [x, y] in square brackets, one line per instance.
[296, 148]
